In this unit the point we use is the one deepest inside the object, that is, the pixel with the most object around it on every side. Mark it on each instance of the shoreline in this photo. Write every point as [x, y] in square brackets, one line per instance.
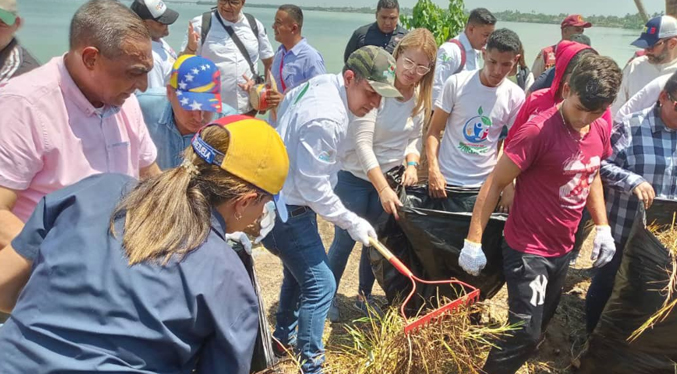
[629, 22]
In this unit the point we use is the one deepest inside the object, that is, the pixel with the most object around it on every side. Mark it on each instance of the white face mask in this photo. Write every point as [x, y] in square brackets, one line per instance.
[267, 221]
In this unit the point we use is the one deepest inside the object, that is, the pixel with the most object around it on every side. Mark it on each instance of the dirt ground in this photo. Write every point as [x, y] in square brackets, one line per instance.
[564, 339]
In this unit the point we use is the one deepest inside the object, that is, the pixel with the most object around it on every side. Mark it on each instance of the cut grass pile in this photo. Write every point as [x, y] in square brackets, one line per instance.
[452, 344]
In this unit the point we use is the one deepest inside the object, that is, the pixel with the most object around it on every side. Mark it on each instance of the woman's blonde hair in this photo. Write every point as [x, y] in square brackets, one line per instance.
[170, 214]
[423, 40]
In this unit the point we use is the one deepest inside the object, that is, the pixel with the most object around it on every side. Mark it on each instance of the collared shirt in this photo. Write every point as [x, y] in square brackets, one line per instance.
[163, 62]
[51, 136]
[449, 60]
[299, 64]
[644, 150]
[313, 122]
[371, 35]
[220, 48]
[159, 117]
[636, 75]
[82, 296]
[14, 61]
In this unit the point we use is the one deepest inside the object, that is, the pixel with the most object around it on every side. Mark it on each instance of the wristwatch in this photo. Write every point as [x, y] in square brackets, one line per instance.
[413, 163]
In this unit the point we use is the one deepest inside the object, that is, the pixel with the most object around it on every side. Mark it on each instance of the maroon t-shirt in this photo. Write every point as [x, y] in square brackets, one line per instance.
[554, 184]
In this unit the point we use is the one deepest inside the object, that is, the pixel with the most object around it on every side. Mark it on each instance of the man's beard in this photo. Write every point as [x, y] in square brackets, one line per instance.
[658, 59]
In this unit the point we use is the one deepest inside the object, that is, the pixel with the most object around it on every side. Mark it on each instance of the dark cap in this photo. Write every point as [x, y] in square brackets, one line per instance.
[155, 10]
[377, 66]
[575, 20]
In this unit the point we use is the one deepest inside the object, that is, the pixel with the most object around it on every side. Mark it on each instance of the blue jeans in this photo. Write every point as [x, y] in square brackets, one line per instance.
[360, 197]
[307, 288]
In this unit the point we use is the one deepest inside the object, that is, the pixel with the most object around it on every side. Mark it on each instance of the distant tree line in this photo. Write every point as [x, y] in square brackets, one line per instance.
[629, 21]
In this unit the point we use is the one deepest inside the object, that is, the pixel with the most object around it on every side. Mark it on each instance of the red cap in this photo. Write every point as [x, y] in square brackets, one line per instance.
[575, 20]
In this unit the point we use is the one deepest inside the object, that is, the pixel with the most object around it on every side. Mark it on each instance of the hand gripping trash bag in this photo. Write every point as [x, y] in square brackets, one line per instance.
[637, 295]
[428, 240]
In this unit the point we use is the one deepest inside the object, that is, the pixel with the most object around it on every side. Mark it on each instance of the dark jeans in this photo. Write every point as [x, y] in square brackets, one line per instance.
[307, 288]
[534, 289]
[600, 288]
[360, 197]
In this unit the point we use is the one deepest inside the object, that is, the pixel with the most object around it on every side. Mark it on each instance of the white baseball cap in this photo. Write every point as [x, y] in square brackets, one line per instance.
[153, 9]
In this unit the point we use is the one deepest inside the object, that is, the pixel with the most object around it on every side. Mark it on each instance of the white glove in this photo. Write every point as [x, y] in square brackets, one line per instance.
[240, 237]
[604, 246]
[472, 259]
[267, 221]
[361, 231]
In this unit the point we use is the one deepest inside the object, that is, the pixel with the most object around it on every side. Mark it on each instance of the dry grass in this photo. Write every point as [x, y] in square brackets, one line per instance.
[450, 345]
[565, 336]
[667, 235]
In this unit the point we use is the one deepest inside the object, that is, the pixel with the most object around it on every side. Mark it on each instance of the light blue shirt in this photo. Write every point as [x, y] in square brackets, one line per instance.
[296, 65]
[159, 117]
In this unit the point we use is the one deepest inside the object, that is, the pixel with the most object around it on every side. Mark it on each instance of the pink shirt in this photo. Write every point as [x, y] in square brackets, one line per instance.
[51, 136]
[554, 184]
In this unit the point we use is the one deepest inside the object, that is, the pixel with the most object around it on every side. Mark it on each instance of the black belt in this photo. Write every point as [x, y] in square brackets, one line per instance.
[295, 210]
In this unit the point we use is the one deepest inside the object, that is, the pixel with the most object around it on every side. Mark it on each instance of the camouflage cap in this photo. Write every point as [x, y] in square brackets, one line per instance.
[377, 66]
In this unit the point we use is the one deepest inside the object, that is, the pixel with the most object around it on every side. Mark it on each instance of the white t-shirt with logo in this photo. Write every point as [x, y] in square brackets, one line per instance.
[477, 116]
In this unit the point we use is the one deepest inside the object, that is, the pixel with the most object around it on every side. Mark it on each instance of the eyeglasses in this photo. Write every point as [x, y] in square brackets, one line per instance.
[411, 65]
[658, 43]
[231, 2]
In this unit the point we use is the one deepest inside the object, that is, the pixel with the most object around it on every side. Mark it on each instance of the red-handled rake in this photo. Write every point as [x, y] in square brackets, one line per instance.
[469, 298]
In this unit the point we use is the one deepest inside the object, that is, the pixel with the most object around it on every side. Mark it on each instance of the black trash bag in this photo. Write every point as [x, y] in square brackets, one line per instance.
[637, 295]
[428, 240]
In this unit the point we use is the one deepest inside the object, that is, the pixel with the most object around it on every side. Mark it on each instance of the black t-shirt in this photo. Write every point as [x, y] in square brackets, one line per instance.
[15, 60]
[371, 35]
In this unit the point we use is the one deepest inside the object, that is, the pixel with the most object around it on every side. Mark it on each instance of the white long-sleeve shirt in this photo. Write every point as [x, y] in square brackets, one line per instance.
[383, 137]
[645, 98]
[313, 122]
[637, 74]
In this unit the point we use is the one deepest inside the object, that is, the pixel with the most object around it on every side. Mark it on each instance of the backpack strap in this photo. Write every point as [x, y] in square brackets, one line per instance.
[239, 45]
[206, 25]
[464, 55]
[254, 25]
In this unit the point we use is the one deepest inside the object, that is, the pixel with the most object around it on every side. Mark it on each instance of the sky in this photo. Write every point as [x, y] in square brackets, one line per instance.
[584, 7]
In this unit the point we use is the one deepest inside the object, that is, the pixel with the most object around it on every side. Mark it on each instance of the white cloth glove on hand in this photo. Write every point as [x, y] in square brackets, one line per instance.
[472, 259]
[242, 238]
[361, 231]
[267, 221]
[604, 246]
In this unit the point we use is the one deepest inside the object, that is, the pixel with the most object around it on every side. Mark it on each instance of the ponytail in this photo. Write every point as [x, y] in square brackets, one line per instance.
[169, 214]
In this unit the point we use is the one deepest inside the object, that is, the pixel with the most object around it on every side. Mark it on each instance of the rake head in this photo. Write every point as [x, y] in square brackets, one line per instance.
[472, 296]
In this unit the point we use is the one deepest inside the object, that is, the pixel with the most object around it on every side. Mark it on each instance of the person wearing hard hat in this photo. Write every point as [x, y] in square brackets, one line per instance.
[313, 122]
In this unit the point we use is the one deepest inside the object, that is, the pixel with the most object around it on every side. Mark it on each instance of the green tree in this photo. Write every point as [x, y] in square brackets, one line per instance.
[443, 23]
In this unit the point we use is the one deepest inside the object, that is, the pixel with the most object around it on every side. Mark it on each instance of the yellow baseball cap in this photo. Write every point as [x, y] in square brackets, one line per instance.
[256, 154]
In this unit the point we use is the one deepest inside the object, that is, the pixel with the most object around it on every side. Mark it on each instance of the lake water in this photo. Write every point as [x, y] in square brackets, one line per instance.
[45, 31]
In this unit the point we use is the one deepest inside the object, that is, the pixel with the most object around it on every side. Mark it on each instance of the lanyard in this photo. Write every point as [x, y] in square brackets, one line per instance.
[284, 86]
